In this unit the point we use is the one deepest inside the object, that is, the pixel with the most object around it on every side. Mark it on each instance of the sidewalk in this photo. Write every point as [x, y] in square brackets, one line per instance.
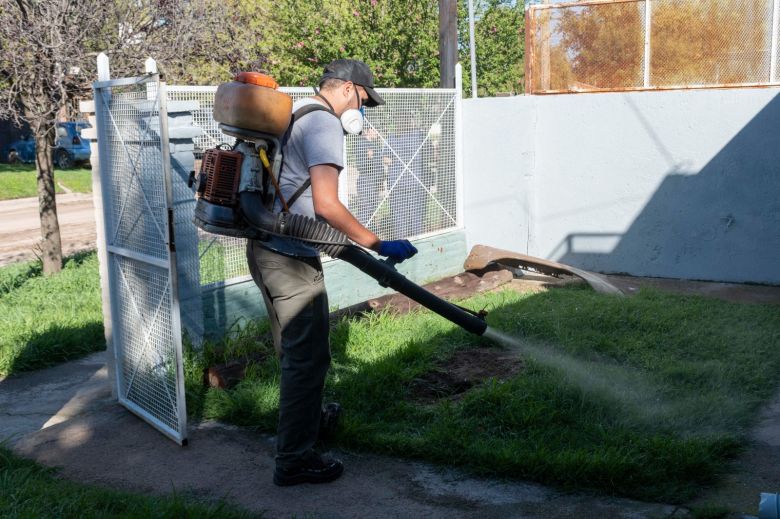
[65, 417]
[21, 226]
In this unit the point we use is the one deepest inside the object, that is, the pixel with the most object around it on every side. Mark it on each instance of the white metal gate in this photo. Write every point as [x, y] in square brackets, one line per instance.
[137, 200]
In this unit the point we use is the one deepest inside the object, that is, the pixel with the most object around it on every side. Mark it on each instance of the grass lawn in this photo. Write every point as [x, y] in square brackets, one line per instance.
[47, 320]
[19, 180]
[29, 490]
[646, 397]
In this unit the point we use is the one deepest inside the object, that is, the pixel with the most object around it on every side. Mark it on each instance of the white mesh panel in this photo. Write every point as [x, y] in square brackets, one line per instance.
[399, 179]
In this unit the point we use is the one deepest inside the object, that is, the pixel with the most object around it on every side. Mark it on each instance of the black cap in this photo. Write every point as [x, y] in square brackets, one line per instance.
[357, 72]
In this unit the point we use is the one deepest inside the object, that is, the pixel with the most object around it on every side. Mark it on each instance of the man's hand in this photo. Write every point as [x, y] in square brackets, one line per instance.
[397, 250]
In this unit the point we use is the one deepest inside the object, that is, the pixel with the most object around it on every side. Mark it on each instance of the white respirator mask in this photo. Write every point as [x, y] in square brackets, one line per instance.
[352, 121]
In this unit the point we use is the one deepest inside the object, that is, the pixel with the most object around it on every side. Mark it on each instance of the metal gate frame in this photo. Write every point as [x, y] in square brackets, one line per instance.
[169, 401]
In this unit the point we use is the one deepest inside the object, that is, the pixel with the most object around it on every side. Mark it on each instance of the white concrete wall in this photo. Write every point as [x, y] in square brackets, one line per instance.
[498, 172]
[682, 184]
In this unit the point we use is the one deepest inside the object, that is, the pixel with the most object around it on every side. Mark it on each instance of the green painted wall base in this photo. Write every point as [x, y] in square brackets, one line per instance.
[233, 304]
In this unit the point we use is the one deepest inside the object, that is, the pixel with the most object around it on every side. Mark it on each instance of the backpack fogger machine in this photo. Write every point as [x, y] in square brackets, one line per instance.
[237, 187]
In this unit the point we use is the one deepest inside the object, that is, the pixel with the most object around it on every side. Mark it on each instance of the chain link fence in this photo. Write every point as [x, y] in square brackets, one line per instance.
[400, 177]
[603, 45]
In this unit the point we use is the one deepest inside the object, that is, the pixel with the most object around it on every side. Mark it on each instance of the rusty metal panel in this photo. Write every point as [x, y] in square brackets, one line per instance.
[602, 45]
[588, 46]
[701, 42]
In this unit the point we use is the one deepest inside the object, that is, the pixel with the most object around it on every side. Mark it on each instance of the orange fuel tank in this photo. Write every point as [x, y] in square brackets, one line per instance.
[252, 101]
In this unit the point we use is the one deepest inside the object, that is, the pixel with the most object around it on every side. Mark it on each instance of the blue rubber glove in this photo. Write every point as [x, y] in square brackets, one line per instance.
[397, 250]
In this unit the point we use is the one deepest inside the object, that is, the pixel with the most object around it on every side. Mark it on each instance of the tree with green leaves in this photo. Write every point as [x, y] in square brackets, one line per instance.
[398, 39]
[500, 46]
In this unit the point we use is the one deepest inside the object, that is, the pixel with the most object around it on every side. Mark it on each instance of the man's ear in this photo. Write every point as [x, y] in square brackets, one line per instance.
[348, 87]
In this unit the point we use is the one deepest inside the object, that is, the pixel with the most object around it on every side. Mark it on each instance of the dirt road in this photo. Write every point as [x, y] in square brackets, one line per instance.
[20, 226]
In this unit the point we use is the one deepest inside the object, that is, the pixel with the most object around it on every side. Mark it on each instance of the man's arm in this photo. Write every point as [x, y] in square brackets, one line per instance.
[325, 195]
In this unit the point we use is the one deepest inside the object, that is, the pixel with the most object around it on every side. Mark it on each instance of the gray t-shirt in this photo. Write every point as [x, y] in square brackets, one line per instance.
[317, 138]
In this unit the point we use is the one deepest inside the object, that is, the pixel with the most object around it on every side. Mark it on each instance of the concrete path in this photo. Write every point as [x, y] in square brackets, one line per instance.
[21, 226]
[65, 417]
[756, 470]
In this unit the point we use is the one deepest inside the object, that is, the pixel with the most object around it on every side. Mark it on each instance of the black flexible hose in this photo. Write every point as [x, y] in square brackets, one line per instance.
[336, 245]
[324, 237]
[387, 276]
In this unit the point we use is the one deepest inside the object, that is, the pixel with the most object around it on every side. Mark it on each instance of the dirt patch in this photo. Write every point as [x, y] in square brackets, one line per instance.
[464, 370]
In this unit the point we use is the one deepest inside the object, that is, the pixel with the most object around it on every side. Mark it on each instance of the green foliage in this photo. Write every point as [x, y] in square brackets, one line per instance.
[500, 46]
[47, 320]
[29, 490]
[646, 397]
[398, 39]
[19, 181]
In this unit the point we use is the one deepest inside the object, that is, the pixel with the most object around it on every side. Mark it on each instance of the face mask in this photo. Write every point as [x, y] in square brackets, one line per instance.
[352, 121]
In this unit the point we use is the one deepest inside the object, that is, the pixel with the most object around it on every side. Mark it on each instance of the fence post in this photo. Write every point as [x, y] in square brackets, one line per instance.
[529, 48]
[150, 66]
[774, 50]
[459, 145]
[90, 109]
[648, 29]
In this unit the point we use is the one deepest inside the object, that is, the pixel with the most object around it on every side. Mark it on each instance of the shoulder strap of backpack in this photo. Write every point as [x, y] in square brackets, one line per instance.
[297, 115]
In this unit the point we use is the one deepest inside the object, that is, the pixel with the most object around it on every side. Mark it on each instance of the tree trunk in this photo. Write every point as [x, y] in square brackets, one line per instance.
[448, 42]
[51, 244]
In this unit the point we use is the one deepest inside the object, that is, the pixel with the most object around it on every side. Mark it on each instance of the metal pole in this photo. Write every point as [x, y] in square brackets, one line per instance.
[530, 55]
[648, 28]
[774, 50]
[99, 160]
[459, 203]
[473, 51]
[151, 68]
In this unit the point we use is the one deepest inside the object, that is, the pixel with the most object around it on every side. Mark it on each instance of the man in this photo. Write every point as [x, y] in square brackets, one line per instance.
[290, 276]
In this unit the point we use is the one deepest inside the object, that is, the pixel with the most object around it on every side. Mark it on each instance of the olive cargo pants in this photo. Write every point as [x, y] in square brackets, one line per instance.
[294, 294]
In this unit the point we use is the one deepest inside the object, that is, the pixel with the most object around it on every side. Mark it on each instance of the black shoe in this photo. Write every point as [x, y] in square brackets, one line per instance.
[329, 421]
[316, 469]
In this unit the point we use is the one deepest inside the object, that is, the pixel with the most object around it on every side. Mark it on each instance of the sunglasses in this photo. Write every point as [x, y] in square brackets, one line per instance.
[360, 101]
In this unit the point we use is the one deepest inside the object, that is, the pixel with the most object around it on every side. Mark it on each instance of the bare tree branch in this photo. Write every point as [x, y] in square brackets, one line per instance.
[47, 63]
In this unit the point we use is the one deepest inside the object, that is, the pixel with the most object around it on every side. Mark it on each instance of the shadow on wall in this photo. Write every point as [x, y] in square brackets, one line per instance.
[720, 223]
